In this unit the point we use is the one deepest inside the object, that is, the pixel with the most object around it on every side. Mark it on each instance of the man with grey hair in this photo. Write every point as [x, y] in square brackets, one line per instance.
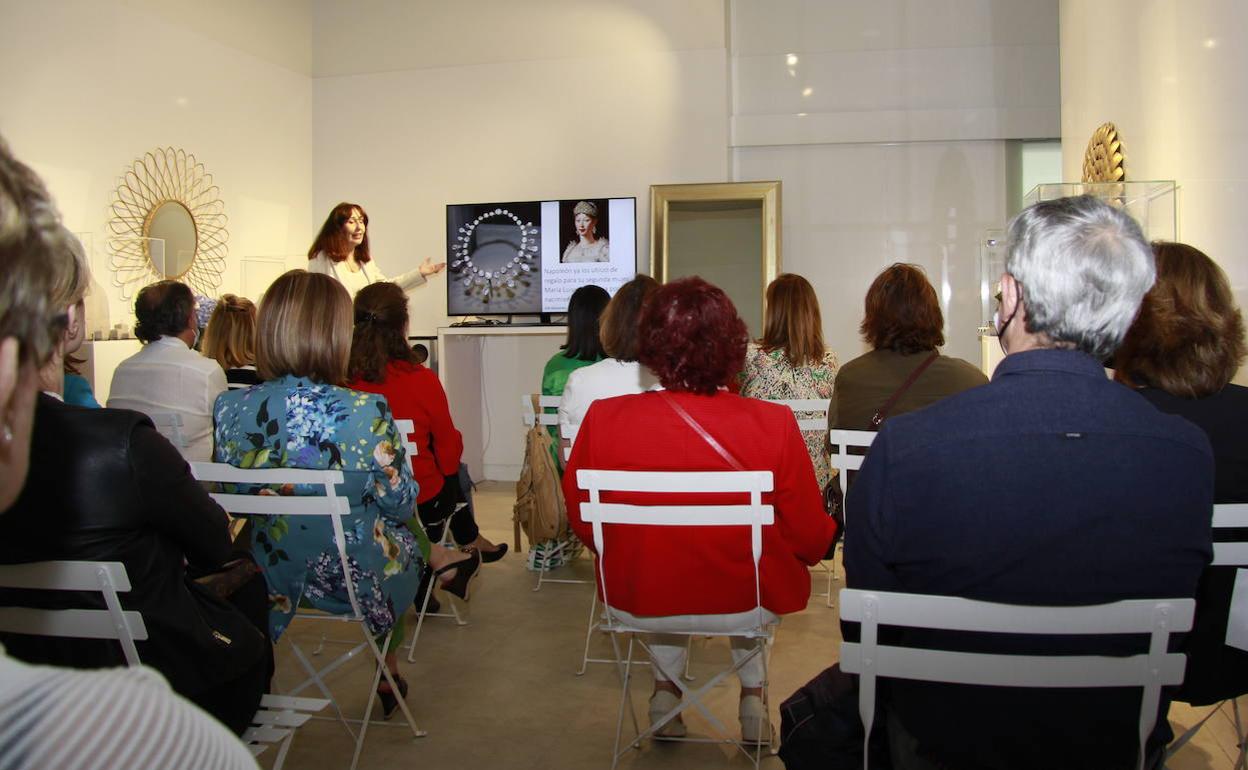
[1051, 485]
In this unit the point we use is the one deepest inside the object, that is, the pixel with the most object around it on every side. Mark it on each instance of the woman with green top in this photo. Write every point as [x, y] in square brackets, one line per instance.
[581, 349]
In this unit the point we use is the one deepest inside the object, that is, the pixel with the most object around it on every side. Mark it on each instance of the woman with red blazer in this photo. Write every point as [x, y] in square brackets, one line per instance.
[694, 342]
[382, 362]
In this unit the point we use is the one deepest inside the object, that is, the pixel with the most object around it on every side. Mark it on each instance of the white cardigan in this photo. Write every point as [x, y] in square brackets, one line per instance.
[368, 273]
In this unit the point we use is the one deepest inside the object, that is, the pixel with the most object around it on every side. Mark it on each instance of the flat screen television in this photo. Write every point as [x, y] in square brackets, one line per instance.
[527, 257]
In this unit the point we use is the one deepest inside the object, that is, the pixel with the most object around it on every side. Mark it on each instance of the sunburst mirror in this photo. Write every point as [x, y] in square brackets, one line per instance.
[1104, 160]
[168, 223]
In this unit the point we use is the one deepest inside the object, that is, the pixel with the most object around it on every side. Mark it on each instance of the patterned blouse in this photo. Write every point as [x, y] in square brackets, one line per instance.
[292, 422]
[769, 375]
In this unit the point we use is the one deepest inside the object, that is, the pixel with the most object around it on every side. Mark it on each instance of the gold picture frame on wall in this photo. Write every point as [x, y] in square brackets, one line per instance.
[727, 232]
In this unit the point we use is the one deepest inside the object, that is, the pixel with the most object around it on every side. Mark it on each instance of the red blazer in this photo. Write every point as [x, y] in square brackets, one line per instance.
[415, 394]
[701, 570]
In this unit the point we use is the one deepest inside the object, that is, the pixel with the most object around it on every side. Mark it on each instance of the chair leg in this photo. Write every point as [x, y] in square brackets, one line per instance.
[589, 633]
[314, 677]
[1240, 762]
[624, 701]
[831, 577]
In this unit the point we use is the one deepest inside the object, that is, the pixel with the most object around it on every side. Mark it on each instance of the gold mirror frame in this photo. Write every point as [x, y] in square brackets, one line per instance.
[166, 175]
[662, 196]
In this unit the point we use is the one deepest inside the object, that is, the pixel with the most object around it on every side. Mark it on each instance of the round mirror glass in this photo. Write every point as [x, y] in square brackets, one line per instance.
[172, 230]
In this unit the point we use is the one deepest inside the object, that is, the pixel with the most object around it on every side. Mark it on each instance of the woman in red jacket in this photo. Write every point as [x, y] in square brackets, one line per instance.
[693, 340]
[382, 362]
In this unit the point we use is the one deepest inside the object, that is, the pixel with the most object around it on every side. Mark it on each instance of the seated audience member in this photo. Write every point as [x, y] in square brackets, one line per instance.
[1052, 485]
[167, 376]
[620, 374]
[230, 339]
[791, 361]
[902, 324]
[60, 375]
[1181, 353]
[582, 348]
[301, 416]
[154, 727]
[105, 486]
[382, 362]
[692, 338]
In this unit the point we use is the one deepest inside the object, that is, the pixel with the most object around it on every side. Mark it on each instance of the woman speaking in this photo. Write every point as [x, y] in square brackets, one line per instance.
[341, 251]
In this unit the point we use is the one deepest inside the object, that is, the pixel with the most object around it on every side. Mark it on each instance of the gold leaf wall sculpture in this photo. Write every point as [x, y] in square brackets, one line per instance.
[1104, 160]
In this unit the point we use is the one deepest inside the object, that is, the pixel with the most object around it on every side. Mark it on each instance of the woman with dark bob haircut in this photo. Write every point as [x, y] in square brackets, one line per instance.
[1182, 351]
[902, 324]
[694, 342]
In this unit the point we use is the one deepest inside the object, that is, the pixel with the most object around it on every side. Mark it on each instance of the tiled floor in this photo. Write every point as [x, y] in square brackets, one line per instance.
[501, 692]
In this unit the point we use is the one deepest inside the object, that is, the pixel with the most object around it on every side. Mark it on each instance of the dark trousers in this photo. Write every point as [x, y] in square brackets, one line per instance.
[434, 513]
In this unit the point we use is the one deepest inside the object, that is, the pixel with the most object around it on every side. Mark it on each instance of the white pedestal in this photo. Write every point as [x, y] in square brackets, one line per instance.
[485, 370]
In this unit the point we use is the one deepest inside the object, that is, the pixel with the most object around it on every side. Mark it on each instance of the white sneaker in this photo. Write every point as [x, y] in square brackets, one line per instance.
[755, 725]
[661, 703]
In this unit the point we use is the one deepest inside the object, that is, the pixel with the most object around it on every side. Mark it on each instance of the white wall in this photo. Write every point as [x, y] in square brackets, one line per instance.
[421, 105]
[1177, 94]
[90, 85]
[888, 125]
[852, 209]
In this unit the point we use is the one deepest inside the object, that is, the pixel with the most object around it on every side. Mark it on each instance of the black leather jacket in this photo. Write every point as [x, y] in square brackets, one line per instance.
[104, 485]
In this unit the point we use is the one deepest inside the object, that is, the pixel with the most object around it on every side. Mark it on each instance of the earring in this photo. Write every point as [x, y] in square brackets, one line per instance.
[6, 433]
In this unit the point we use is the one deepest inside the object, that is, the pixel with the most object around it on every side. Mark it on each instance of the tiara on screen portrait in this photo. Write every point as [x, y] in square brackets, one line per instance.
[586, 208]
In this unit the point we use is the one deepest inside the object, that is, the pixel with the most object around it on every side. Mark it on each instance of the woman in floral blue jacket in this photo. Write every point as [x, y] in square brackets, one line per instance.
[298, 417]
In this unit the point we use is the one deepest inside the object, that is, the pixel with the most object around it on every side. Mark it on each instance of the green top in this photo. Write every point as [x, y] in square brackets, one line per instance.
[554, 378]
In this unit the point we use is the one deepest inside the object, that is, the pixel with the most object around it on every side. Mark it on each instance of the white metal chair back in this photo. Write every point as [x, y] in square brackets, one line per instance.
[1159, 618]
[815, 422]
[530, 412]
[753, 514]
[169, 425]
[842, 441]
[334, 506]
[406, 429]
[107, 577]
[1226, 553]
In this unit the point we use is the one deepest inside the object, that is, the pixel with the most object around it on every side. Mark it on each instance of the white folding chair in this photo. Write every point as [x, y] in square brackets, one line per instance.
[406, 428]
[1226, 553]
[844, 462]
[1159, 618]
[107, 577]
[812, 417]
[754, 515]
[533, 409]
[334, 506]
[169, 425]
[275, 721]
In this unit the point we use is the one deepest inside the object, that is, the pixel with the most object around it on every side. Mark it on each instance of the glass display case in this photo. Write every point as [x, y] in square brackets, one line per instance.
[1153, 204]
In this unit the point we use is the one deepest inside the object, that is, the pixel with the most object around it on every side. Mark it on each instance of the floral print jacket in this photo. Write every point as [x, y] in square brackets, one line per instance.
[769, 375]
[292, 422]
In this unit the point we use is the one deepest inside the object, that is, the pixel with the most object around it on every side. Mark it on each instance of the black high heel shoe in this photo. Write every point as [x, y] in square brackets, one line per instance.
[489, 557]
[388, 702]
[465, 571]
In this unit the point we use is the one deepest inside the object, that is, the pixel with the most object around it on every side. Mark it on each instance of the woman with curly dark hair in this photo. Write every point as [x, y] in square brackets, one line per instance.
[694, 342]
[1182, 351]
[903, 325]
[382, 362]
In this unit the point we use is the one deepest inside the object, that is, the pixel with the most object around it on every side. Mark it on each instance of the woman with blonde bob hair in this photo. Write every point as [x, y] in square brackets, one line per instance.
[230, 339]
[791, 361]
[1182, 351]
[302, 416]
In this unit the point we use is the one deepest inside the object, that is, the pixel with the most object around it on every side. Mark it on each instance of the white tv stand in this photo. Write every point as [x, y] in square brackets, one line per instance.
[485, 370]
